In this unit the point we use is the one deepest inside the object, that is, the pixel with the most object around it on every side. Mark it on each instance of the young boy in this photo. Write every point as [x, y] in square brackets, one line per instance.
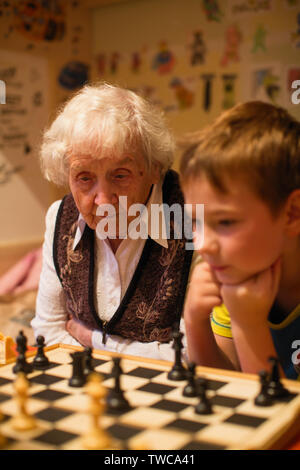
[245, 169]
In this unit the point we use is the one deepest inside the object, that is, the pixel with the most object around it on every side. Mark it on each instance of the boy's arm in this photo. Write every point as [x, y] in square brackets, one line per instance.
[203, 347]
[249, 305]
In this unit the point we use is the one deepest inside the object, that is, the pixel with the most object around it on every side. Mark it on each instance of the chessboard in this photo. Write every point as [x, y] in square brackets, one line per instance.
[159, 417]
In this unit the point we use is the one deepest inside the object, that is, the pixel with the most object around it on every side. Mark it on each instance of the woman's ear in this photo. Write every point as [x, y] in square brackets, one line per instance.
[293, 213]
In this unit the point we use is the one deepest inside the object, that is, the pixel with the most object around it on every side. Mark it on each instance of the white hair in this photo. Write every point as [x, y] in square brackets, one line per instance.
[105, 121]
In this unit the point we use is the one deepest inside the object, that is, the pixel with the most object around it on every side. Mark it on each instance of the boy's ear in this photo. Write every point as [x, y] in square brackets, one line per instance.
[293, 213]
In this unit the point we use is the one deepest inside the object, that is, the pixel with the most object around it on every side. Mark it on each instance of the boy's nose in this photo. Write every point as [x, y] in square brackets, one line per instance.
[210, 244]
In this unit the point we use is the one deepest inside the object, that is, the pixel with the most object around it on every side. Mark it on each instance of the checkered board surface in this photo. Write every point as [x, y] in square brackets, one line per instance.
[161, 418]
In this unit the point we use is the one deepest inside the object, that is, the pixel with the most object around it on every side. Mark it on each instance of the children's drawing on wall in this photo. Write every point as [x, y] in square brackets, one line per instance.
[184, 92]
[197, 48]
[207, 90]
[136, 61]
[40, 19]
[295, 36]
[259, 40]
[164, 60]
[73, 75]
[212, 10]
[228, 90]
[241, 7]
[266, 84]
[233, 39]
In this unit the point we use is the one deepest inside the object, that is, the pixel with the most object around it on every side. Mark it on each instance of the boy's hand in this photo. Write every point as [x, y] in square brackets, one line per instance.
[203, 293]
[250, 302]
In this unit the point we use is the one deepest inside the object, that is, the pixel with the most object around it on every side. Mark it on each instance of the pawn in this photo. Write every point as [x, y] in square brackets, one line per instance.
[40, 362]
[190, 389]
[22, 421]
[116, 400]
[263, 399]
[203, 407]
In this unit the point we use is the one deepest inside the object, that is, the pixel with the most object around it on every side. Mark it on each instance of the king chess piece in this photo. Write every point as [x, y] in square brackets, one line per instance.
[178, 372]
[275, 389]
[115, 399]
[21, 363]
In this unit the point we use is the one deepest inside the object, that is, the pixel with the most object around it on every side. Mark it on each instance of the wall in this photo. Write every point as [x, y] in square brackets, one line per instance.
[45, 55]
[195, 58]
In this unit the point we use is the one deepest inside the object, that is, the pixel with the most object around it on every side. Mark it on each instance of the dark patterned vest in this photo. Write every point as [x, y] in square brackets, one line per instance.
[154, 299]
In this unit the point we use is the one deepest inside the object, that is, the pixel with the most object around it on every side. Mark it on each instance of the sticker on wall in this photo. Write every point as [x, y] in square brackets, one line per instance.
[259, 40]
[164, 60]
[212, 10]
[228, 90]
[183, 91]
[40, 19]
[266, 84]
[198, 49]
[296, 34]
[242, 7]
[207, 91]
[73, 75]
[233, 39]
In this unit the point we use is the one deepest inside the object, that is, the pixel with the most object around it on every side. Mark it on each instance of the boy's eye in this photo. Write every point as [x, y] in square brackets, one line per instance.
[226, 222]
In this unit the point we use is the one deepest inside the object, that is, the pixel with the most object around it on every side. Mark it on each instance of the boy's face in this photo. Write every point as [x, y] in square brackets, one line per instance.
[241, 236]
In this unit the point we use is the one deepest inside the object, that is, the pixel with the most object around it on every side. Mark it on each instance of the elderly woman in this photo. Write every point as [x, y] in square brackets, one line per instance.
[121, 293]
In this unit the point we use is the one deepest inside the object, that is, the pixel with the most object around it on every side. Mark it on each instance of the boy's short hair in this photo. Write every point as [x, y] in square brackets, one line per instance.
[255, 140]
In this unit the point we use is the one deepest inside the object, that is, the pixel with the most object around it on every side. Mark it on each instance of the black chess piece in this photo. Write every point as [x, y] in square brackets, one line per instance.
[190, 390]
[78, 379]
[275, 389]
[263, 398]
[204, 406]
[115, 399]
[88, 361]
[178, 372]
[21, 363]
[40, 362]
